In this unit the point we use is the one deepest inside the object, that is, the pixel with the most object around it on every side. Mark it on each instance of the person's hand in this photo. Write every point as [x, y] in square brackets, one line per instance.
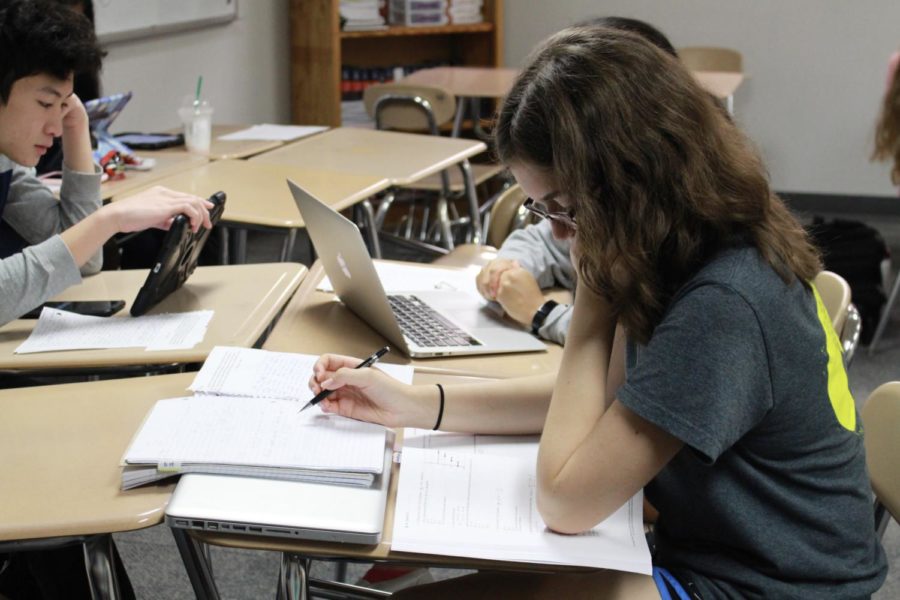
[488, 279]
[75, 117]
[370, 395]
[157, 207]
[519, 295]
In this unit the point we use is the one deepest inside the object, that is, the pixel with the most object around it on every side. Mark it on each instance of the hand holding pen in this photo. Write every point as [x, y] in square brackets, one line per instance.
[364, 364]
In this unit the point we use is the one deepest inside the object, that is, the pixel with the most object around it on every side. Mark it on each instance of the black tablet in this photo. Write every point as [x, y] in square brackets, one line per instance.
[177, 258]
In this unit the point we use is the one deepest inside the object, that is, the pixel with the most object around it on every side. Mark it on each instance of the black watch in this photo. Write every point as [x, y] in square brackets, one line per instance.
[541, 315]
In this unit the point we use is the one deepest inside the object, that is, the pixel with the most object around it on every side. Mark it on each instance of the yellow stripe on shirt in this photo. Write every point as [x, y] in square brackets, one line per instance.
[838, 387]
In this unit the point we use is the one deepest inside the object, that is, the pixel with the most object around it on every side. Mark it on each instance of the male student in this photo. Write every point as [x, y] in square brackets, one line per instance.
[47, 244]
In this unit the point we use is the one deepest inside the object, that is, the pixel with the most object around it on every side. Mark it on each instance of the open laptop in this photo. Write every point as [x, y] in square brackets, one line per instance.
[177, 258]
[289, 509]
[423, 323]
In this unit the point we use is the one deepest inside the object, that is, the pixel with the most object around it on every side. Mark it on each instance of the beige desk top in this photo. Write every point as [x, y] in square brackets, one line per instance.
[720, 84]
[222, 149]
[168, 162]
[257, 193]
[401, 157]
[61, 448]
[475, 82]
[245, 299]
[316, 322]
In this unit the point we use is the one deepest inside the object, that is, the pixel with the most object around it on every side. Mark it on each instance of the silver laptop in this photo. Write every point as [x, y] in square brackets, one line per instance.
[422, 323]
[288, 509]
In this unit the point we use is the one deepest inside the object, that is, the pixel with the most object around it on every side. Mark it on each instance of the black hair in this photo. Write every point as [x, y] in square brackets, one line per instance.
[641, 28]
[87, 7]
[43, 37]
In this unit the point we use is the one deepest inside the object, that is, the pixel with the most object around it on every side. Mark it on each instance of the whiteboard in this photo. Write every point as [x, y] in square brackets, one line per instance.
[117, 20]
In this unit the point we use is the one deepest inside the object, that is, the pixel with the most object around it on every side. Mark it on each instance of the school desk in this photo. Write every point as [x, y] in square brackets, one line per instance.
[258, 194]
[220, 149]
[316, 322]
[246, 299]
[469, 85]
[167, 163]
[62, 446]
[403, 158]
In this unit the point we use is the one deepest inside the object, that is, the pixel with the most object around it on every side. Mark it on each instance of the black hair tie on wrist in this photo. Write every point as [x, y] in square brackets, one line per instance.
[437, 424]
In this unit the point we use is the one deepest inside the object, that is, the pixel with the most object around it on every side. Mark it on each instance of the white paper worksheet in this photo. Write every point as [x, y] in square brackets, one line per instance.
[268, 131]
[262, 373]
[474, 496]
[62, 330]
[413, 278]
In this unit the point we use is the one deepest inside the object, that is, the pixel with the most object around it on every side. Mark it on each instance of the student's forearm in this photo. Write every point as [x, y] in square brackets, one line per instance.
[77, 153]
[86, 238]
[508, 406]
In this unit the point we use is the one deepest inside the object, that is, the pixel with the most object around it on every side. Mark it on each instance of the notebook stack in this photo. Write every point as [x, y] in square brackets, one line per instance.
[244, 419]
[463, 12]
[362, 15]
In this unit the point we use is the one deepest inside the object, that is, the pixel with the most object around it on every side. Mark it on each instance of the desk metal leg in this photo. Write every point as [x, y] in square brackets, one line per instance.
[101, 572]
[287, 249]
[293, 579]
[196, 564]
[474, 234]
[458, 117]
[226, 236]
[365, 213]
[239, 253]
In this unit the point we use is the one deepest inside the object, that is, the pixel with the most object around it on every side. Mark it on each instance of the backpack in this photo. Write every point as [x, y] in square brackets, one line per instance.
[856, 252]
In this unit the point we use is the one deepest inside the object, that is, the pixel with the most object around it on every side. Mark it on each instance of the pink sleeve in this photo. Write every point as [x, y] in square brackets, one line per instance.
[892, 69]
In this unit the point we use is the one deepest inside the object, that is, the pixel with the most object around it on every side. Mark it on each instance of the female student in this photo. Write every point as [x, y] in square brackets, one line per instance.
[700, 363]
[531, 259]
[887, 132]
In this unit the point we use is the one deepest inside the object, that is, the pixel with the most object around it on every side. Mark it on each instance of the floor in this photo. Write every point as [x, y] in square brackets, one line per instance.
[156, 570]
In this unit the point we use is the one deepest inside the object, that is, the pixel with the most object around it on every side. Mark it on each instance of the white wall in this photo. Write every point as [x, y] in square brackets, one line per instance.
[816, 73]
[245, 66]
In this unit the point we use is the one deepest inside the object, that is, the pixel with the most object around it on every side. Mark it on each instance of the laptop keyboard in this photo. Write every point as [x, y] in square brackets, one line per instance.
[425, 326]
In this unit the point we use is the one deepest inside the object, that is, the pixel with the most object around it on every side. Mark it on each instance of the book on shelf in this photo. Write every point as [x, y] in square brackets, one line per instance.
[245, 419]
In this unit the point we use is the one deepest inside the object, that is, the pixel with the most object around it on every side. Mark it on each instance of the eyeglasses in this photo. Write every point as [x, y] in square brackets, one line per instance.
[564, 218]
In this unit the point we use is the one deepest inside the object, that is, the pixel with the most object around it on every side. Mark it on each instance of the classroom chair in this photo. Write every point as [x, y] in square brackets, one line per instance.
[713, 58]
[835, 293]
[506, 214]
[881, 419]
[419, 108]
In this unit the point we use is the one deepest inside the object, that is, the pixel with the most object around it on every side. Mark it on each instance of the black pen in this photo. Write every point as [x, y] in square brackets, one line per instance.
[366, 363]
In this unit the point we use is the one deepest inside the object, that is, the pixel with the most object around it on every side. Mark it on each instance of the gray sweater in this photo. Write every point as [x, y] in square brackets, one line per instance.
[46, 267]
[547, 259]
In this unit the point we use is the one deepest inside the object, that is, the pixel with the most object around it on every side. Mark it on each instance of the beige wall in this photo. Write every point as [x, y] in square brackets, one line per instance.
[245, 68]
[816, 71]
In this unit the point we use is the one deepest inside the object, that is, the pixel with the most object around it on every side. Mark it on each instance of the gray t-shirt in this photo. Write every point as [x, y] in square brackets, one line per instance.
[769, 498]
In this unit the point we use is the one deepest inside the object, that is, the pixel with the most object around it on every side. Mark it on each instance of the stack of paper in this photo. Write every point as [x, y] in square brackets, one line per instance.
[362, 15]
[268, 131]
[465, 11]
[466, 495]
[245, 420]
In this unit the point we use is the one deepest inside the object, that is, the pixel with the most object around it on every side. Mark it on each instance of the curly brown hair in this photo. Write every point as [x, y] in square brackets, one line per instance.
[660, 179]
[887, 131]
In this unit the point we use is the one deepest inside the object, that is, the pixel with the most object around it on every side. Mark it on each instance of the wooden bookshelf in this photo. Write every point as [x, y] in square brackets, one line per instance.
[319, 48]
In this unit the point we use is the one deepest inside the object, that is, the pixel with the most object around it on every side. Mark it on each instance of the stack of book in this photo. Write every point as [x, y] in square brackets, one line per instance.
[362, 15]
[465, 11]
[244, 419]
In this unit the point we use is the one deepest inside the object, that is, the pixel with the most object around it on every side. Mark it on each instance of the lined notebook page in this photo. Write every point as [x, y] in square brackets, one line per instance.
[255, 431]
[265, 374]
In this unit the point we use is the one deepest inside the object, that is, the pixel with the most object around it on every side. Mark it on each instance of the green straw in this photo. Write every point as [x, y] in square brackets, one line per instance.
[199, 87]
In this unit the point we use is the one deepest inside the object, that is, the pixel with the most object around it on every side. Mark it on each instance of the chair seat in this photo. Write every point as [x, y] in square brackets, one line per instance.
[480, 174]
[466, 255]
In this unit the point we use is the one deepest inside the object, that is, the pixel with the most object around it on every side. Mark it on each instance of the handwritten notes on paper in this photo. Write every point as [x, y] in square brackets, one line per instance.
[61, 330]
[255, 431]
[261, 373]
[467, 495]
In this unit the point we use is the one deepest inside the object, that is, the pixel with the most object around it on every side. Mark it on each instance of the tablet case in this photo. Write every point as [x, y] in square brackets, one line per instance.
[177, 258]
